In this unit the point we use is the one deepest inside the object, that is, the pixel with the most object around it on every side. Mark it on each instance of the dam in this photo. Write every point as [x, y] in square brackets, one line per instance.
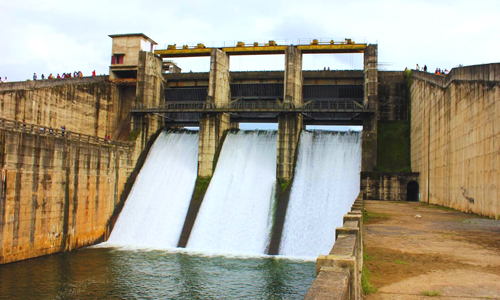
[252, 195]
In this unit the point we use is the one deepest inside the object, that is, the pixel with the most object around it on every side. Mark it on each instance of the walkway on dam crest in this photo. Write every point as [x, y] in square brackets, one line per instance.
[414, 250]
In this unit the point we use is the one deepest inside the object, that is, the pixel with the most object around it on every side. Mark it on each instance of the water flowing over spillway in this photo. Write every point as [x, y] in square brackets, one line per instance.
[326, 183]
[156, 208]
[236, 213]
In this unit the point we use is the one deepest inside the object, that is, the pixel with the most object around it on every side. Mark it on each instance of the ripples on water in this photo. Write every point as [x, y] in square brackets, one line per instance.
[113, 274]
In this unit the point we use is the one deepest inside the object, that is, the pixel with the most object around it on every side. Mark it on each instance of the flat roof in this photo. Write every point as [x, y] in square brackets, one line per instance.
[133, 34]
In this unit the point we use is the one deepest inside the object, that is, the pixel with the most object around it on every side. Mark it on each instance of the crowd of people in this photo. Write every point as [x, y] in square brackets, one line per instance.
[4, 80]
[438, 71]
[75, 74]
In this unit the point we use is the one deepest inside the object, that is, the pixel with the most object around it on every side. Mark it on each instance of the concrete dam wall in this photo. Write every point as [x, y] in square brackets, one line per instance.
[455, 138]
[60, 190]
[57, 192]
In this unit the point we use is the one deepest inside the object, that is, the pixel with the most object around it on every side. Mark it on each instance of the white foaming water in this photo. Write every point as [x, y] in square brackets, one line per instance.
[155, 210]
[235, 216]
[325, 185]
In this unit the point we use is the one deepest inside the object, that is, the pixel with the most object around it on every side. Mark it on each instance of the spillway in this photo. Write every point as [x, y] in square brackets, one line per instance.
[326, 183]
[156, 207]
[236, 213]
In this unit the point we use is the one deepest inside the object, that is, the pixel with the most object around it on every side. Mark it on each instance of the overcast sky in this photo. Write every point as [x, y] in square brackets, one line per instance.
[55, 36]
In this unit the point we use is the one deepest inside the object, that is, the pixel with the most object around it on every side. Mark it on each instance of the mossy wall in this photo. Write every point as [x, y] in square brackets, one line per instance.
[393, 146]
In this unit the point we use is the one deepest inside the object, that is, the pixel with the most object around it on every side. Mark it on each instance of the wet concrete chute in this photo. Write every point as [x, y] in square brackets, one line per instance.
[155, 210]
[236, 213]
[325, 184]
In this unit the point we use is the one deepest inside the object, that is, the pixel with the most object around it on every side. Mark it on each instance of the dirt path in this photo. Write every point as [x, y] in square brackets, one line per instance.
[445, 253]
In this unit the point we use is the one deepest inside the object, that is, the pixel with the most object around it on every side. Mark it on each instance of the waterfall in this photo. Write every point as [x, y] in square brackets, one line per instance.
[326, 183]
[236, 213]
[156, 207]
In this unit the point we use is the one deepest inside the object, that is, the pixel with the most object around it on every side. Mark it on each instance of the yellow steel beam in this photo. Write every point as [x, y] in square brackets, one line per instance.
[184, 52]
[255, 50]
[336, 48]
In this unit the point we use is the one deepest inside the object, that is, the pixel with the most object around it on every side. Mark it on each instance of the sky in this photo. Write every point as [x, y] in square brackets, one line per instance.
[55, 36]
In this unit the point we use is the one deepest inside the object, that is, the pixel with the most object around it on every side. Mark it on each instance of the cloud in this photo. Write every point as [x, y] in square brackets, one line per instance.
[59, 36]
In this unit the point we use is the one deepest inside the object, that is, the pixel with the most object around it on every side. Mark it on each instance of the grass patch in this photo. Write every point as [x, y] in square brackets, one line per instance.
[442, 207]
[368, 288]
[201, 186]
[368, 216]
[400, 262]
[431, 293]
[367, 257]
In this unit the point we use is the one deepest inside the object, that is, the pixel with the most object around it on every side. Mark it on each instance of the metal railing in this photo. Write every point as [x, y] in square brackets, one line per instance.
[344, 105]
[50, 131]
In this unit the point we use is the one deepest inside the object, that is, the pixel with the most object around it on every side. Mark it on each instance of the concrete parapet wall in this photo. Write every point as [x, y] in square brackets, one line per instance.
[37, 84]
[57, 191]
[339, 272]
[455, 138]
[85, 105]
[484, 73]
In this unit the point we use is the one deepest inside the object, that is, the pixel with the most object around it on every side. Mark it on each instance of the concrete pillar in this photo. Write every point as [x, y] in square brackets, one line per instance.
[149, 93]
[369, 134]
[290, 124]
[212, 126]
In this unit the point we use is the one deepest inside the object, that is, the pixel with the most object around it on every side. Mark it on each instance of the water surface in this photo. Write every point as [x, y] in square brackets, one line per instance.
[106, 273]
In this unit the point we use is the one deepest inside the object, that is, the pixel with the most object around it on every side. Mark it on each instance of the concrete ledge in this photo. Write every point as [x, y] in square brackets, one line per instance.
[29, 85]
[323, 288]
[339, 272]
[487, 72]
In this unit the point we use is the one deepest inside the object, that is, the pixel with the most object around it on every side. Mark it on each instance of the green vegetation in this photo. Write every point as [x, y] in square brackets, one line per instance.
[393, 146]
[431, 293]
[283, 184]
[366, 257]
[368, 216]
[408, 79]
[368, 288]
[133, 135]
[201, 186]
[400, 262]
[442, 207]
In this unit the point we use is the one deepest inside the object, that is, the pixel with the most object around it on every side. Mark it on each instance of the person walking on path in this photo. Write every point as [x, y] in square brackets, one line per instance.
[34, 76]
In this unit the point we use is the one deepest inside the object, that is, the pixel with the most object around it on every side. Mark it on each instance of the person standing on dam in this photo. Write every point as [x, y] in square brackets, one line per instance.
[34, 76]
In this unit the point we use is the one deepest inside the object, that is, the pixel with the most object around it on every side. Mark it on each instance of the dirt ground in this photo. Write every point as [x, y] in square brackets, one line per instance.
[442, 254]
